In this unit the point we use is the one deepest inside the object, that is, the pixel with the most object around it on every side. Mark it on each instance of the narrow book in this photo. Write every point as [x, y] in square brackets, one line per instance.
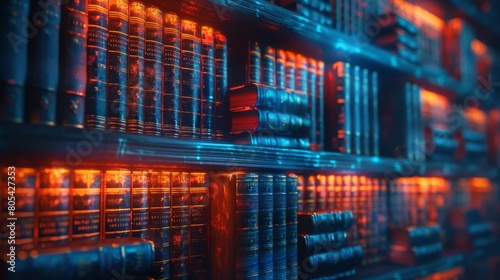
[356, 110]
[221, 86]
[116, 221]
[291, 227]
[321, 192]
[14, 59]
[116, 92]
[207, 82]
[139, 204]
[43, 69]
[279, 226]
[312, 68]
[300, 193]
[309, 194]
[365, 117]
[153, 68]
[324, 222]
[320, 105]
[171, 74]
[86, 205]
[269, 66]
[190, 79]
[374, 115]
[97, 61]
[254, 61]
[280, 69]
[290, 71]
[343, 139]
[312, 244]
[330, 192]
[266, 206]
[72, 63]
[136, 49]
[198, 225]
[179, 247]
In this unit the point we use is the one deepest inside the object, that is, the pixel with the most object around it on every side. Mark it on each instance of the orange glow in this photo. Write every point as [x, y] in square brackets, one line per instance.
[480, 184]
[479, 48]
[418, 15]
[476, 118]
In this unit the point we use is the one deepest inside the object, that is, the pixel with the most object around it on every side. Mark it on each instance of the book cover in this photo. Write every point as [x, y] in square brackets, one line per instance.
[116, 92]
[261, 120]
[136, 50]
[52, 213]
[190, 79]
[72, 63]
[290, 71]
[199, 265]
[117, 210]
[139, 204]
[43, 69]
[86, 205]
[254, 60]
[14, 57]
[266, 206]
[269, 139]
[179, 246]
[280, 69]
[172, 74]
[269, 67]
[97, 62]
[291, 227]
[207, 82]
[221, 86]
[313, 244]
[153, 72]
[279, 226]
[159, 222]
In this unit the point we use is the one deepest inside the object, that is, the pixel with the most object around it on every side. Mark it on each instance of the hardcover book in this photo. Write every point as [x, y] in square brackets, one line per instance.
[324, 222]
[279, 226]
[290, 71]
[254, 59]
[207, 82]
[267, 138]
[320, 105]
[331, 262]
[291, 227]
[221, 86]
[139, 204]
[86, 206]
[280, 69]
[269, 67]
[179, 248]
[312, 69]
[312, 244]
[198, 226]
[117, 210]
[266, 206]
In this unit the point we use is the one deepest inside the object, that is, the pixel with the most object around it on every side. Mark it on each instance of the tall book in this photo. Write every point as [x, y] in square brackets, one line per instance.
[136, 48]
[365, 109]
[234, 240]
[280, 69]
[52, 213]
[72, 63]
[207, 82]
[279, 226]
[139, 204]
[320, 107]
[330, 192]
[291, 227]
[198, 226]
[117, 220]
[19, 187]
[374, 114]
[290, 71]
[43, 70]
[153, 68]
[342, 138]
[265, 225]
[269, 66]
[190, 79]
[116, 92]
[312, 68]
[179, 223]
[300, 192]
[321, 193]
[14, 58]
[159, 222]
[254, 61]
[356, 110]
[171, 74]
[352, 194]
[221, 86]
[309, 193]
[97, 61]
[301, 75]
[86, 205]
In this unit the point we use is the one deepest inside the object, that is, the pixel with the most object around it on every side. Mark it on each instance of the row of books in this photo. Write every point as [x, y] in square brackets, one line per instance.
[365, 197]
[415, 245]
[319, 11]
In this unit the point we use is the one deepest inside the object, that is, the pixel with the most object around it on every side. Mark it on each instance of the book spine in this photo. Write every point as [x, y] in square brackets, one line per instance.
[266, 206]
[365, 100]
[363, 220]
[409, 106]
[190, 79]
[254, 60]
[14, 58]
[97, 62]
[208, 82]
[20, 182]
[291, 227]
[269, 67]
[419, 141]
[331, 262]
[72, 63]
[320, 193]
[279, 230]
[300, 193]
[301, 75]
[309, 245]
[179, 248]
[198, 226]
[86, 205]
[312, 105]
[309, 197]
[374, 113]
[43, 70]
[153, 68]
[356, 110]
[221, 86]
[53, 207]
[159, 222]
[136, 48]
[382, 217]
[280, 69]
[375, 225]
[330, 192]
[116, 222]
[290, 72]
[350, 204]
[139, 204]
[343, 89]
[320, 105]
[172, 74]
[116, 92]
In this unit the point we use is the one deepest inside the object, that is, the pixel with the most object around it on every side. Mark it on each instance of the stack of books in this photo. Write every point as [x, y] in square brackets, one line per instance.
[352, 125]
[415, 245]
[319, 11]
[469, 230]
[322, 246]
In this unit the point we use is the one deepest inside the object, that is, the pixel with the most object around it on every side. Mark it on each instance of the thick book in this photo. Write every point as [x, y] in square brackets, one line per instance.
[269, 139]
[207, 82]
[266, 206]
[136, 49]
[199, 225]
[279, 226]
[415, 255]
[179, 222]
[312, 244]
[153, 72]
[106, 259]
[139, 204]
[340, 126]
[116, 90]
[221, 86]
[324, 222]
[331, 262]
[269, 66]
[171, 74]
[116, 221]
[53, 199]
[291, 227]
[254, 63]
[190, 79]
[19, 187]
[280, 69]
[43, 69]
[72, 63]
[97, 62]
[415, 236]
[301, 75]
[86, 205]
[234, 239]
[159, 222]
[261, 120]
[290, 71]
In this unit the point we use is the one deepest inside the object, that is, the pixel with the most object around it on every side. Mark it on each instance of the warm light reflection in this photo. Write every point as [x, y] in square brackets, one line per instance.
[418, 15]
[479, 48]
